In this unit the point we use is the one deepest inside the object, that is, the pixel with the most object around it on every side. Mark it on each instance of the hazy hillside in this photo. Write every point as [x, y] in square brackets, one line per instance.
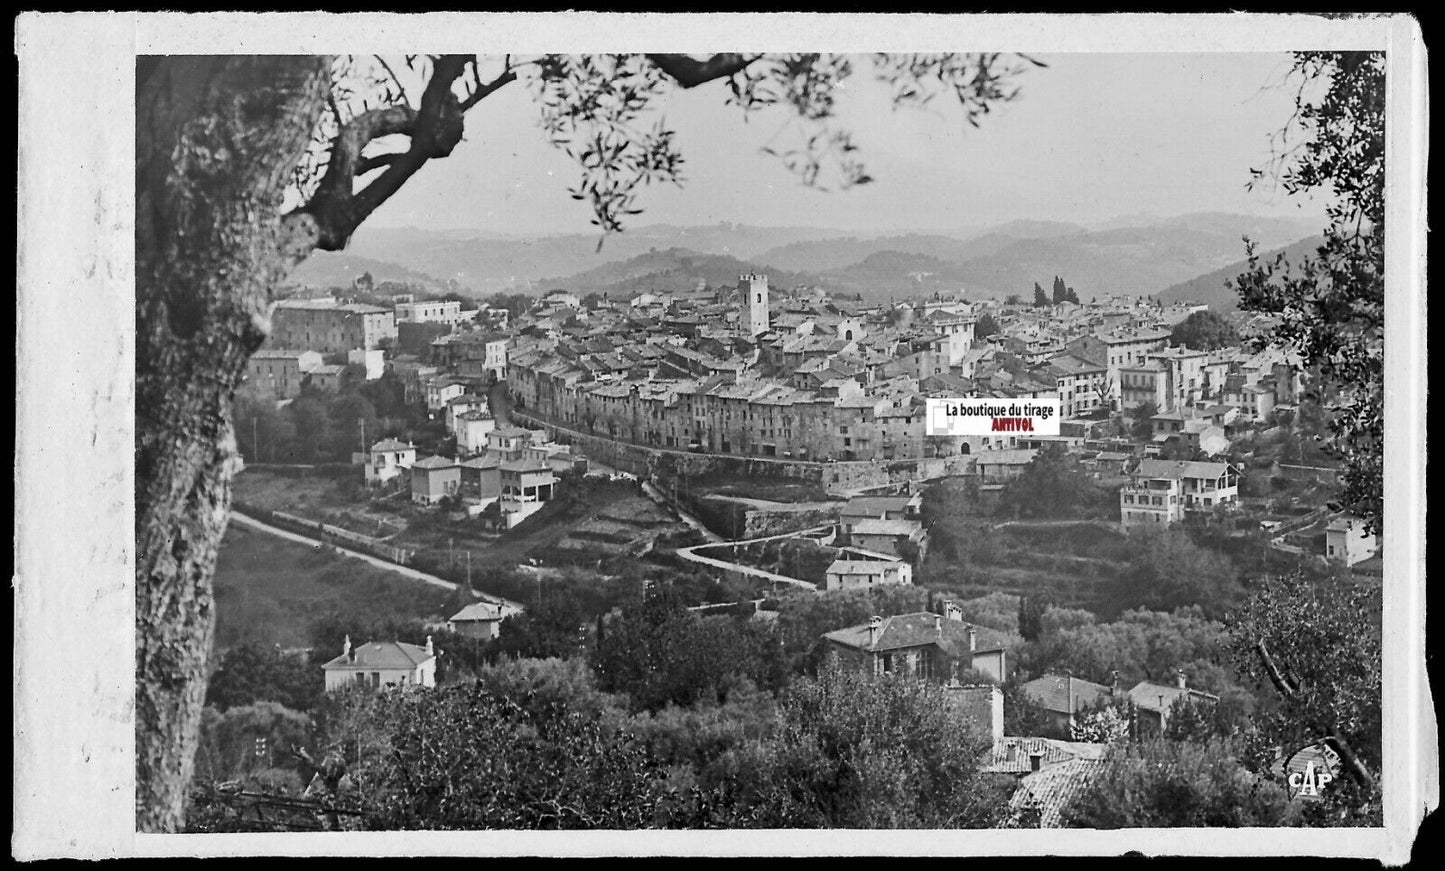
[1123, 260]
[671, 269]
[889, 275]
[490, 263]
[992, 261]
[825, 254]
[1211, 290]
[339, 268]
[840, 252]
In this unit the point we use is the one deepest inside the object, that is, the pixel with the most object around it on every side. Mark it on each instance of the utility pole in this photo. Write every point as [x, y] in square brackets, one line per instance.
[255, 445]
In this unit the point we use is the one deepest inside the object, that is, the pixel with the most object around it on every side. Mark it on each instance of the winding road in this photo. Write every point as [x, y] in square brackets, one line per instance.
[405, 571]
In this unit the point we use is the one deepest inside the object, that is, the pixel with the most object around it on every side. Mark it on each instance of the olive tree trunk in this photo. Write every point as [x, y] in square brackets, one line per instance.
[216, 141]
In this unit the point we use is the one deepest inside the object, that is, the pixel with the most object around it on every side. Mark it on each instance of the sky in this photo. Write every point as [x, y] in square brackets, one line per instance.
[1092, 137]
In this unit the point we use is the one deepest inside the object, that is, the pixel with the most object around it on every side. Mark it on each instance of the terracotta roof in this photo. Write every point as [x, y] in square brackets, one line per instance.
[1010, 755]
[874, 526]
[434, 462]
[382, 654]
[1064, 695]
[862, 566]
[1159, 698]
[477, 611]
[874, 506]
[1177, 469]
[919, 629]
[525, 465]
[1050, 789]
[392, 445]
[485, 461]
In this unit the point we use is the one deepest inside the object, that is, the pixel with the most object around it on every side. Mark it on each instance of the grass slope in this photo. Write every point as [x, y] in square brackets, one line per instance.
[269, 589]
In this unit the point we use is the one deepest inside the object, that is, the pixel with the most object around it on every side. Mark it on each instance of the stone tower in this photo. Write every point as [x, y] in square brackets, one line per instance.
[754, 287]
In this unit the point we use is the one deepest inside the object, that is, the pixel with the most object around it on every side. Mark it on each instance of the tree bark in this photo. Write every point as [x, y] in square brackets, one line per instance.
[216, 141]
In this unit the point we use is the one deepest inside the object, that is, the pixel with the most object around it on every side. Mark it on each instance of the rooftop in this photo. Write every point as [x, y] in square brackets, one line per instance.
[919, 629]
[1178, 469]
[1159, 697]
[874, 526]
[381, 654]
[434, 462]
[477, 611]
[873, 506]
[862, 566]
[1063, 694]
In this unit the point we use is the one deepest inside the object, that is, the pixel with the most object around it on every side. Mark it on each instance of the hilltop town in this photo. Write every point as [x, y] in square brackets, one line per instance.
[732, 459]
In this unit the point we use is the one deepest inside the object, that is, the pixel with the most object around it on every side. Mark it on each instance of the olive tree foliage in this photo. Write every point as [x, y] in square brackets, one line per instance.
[1330, 306]
[1319, 646]
[247, 164]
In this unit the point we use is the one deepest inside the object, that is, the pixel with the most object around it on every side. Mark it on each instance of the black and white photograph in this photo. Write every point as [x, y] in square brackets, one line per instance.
[724, 435]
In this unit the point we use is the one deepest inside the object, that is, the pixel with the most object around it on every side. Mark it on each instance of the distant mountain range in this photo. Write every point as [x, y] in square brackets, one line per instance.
[1210, 288]
[1116, 258]
[338, 269]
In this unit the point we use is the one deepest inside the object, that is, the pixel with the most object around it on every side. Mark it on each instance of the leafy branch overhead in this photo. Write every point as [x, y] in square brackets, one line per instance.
[1330, 307]
[386, 119]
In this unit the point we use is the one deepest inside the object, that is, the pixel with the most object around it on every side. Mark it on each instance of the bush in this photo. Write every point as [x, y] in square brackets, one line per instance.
[1173, 784]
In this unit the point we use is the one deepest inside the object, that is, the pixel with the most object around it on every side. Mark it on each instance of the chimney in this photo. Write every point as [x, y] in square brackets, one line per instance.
[1179, 679]
[346, 650]
[429, 650]
[1114, 682]
[875, 628]
[1036, 760]
[972, 638]
[938, 625]
[953, 611]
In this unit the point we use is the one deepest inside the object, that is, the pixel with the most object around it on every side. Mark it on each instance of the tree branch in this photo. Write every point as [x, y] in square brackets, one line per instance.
[435, 128]
[689, 72]
[1352, 762]
[1281, 683]
[368, 164]
[399, 89]
[483, 91]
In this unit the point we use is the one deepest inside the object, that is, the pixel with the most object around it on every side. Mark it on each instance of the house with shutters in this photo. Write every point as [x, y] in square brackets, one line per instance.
[1062, 697]
[389, 458]
[481, 620]
[1154, 702]
[1161, 491]
[1346, 541]
[847, 574]
[382, 663]
[904, 507]
[433, 479]
[925, 645]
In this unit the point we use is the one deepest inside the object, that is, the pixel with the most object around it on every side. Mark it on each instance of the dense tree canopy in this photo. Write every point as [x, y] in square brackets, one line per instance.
[986, 327]
[1330, 306]
[1204, 331]
[1318, 645]
[1173, 784]
[1053, 484]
